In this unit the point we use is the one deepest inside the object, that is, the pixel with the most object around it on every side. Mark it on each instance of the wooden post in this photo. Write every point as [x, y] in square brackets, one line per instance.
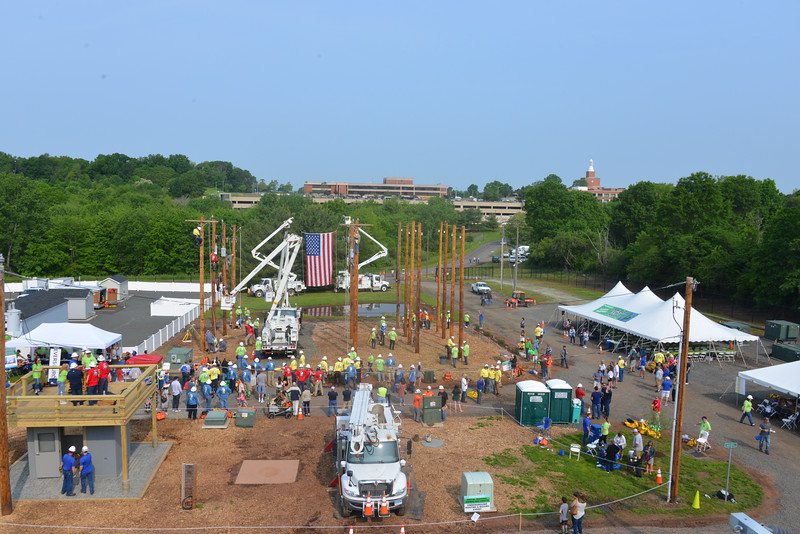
[461, 294]
[202, 319]
[123, 433]
[397, 278]
[225, 276]
[419, 288]
[412, 312]
[233, 260]
[438, 282]
[443, 279]
[453, 284]
[213, 250]
[406, 324]
[354, 285]
[5, 475]
[680, 384]
[153, 411]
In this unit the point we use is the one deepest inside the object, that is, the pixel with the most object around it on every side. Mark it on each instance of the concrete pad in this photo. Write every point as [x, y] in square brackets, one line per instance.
[268, 472]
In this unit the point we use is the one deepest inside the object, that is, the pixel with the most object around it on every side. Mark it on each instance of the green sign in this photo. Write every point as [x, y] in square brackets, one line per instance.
[477, 503]
[616, 313]
[731, 445]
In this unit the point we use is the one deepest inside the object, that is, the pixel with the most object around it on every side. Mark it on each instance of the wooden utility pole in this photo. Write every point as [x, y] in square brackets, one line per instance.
[443, 279]
[353, 255]
[419, 288]
[213, 249]
[412, 310]
[453, 285]
[438, 282]
[680, 383]
[406, 324]
[397, 278]
[224, 277]
[201, 320]
[461, 294]
[233, 263]
[5, 473]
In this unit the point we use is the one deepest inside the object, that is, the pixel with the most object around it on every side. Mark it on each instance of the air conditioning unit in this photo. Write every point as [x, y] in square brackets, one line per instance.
[187, 487]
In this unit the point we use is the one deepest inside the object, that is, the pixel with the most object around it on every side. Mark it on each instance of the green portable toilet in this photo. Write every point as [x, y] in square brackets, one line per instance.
[781, 330]
[532, 402]
[560, 400]
[787, 353]
[179, 355]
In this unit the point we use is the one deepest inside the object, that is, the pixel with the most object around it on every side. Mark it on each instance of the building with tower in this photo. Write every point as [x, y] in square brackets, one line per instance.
[603, 194]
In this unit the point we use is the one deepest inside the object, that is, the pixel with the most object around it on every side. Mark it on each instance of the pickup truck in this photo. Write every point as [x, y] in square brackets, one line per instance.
[480, 288]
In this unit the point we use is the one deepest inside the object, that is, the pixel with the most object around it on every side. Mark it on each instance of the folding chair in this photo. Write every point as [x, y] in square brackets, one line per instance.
[702, 441]
[576, 449]
[591, 448]
[790, 422]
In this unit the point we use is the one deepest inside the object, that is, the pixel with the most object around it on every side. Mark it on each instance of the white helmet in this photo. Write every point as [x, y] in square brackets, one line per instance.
[241, 343]
[325, 358]
[390, 355]
[352, 348]
[308, 366]
[400, 366]
[101, 358]
[293, 357]
[339, 358]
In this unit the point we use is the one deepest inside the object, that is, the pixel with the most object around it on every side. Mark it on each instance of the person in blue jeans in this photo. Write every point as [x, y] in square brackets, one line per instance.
[332, 396]
[587, 426]
[86, 470]
[747, 408]
[68, 470]
[596, 398]
[223, 391]
[765, 429]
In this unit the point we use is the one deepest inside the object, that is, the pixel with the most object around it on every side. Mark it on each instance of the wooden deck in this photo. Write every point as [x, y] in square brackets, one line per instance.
[49, 410]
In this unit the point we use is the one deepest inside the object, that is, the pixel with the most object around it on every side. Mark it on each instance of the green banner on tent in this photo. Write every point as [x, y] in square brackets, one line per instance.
[616, 313]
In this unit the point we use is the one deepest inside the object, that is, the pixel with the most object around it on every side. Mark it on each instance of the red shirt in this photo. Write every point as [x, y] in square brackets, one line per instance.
[92, 377]
[579, 393]
[103, 370]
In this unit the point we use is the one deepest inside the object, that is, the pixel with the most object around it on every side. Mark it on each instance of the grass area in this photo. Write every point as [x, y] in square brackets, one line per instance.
[535, 479]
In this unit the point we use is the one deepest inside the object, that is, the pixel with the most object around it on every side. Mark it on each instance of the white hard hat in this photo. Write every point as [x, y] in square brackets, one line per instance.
[222, 384]
[580, 385]
[390, 354]
[72, 449]
[248, 366]
[412, 365]
[429, 387]
[400, 366]
[230, 363]
[308, 366]
[85, 349]
[193, 389]
[257, 360]
[749, 397]
[339, 358]
[393, 328]
[101, 358]
[325, 358]
[352, 348]
[269, 358]
[441, 387]
[84, 449]
[301, 352]
[241, 343]
[235, 366]
[246, 356]
[373, 329]
[418, 391]
[293, 357]
[74, 354]
[73, 365]
[358, 358]
[92, 364]
[208, 382]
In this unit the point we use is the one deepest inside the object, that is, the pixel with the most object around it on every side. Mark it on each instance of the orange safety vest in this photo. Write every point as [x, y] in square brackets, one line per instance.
[417, 399]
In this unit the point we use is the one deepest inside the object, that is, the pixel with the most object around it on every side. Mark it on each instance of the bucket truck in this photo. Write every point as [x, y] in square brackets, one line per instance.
[366, 281]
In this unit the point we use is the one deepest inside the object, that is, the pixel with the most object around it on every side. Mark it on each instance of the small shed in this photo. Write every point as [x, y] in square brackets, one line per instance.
[532, 402]
[117, 287]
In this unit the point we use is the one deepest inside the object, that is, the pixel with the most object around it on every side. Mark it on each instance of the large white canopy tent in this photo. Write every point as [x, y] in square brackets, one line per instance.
[66, 335]
[784, 378]
[646, 316]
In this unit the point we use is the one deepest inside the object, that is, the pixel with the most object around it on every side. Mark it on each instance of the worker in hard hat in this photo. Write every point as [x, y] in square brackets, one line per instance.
[392, 338]
[241, 350]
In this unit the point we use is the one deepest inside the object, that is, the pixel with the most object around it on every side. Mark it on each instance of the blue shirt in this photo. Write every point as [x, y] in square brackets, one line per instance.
[351, 370]
[666, 385]
[68, 461]
[412, 375]
[390, 362]
[479, 385]
[587, 424]
[270, 365]
[207, 390]
[399, 375]
[192, 399]
[223, 392]
[86, 463]
[596, 397]
[246, 376]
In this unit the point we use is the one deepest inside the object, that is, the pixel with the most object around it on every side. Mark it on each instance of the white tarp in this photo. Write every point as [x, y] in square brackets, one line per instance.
[66, 335]
[645, 315]
[784, 378]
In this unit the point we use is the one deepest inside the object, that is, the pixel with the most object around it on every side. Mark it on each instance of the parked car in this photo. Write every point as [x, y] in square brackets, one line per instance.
[480, 288]
[495, 259]
[505, 254]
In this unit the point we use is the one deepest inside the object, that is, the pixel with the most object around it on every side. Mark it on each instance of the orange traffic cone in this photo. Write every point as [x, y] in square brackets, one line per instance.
[300, 414]
[565, 334]
[534, 302]
[384, 510]
[659, 480]
[368, 511]
[601, 349]
[730, 347]
[403, 528]
[351, 529]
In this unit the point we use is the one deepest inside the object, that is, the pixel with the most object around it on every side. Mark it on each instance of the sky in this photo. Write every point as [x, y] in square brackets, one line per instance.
[445, 92]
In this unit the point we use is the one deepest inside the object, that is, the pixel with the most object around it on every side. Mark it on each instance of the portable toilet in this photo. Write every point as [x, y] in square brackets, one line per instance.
[560, 400]
[532, 402]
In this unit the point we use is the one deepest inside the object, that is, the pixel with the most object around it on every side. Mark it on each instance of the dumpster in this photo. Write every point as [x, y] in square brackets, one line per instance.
[560, 400]
[431, 410]
[576, 411]
[532, 402]
[246, 417]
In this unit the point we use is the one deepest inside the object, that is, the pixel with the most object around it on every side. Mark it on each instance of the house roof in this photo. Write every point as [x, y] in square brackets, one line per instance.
[33, 304]
[119, 278]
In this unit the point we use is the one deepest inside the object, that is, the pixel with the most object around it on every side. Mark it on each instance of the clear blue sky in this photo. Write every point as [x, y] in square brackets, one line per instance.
[444, 92]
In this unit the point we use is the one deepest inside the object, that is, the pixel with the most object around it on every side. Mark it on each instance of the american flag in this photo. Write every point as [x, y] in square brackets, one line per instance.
[318, 311]
[319, 259]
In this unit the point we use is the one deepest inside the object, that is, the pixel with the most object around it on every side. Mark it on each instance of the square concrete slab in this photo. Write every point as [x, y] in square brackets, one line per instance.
[268, 472]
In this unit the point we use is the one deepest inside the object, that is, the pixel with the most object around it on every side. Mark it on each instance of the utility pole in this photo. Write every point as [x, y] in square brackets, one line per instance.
[5, 476]
[443, 278]
[213, 249]
[412, 310]
[438, 282]
[453, 284]
[397, 277]
[406, 324]
[201, 320]
[502, 252]
[516, 260]
[233, 261]
[461, 293]
[419, 288]
[224, 254]
[353, 256]
[679, 383]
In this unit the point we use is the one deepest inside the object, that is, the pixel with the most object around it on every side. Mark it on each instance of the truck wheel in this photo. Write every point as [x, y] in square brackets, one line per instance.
[343, 509]
[384, 288]
[288, 415]
[292, 292]
[401, 511]
[271, 416]
[259, 293]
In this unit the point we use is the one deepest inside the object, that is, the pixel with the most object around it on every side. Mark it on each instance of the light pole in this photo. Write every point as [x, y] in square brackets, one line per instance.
[502, 251]
[72, 261]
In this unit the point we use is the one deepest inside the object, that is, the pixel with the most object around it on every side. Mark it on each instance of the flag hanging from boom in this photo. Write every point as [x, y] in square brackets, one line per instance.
[319, 259]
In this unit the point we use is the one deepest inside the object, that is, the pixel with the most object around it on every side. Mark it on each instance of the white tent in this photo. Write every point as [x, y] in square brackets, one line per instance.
[645, 315]
[66, 335]
[784, 378]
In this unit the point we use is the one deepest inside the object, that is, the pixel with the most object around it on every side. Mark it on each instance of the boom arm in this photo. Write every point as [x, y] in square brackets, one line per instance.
[382, 253]
[291, 244]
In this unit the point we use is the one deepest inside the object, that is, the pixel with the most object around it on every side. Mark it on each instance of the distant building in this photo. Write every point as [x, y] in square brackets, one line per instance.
[603, 194]
[390, 187]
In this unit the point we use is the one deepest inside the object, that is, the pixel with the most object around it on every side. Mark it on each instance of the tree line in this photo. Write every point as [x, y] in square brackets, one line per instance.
[62, 216]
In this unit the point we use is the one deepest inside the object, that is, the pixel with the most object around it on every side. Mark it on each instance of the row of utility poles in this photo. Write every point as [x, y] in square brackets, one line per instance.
[213, 257]
[411, 249]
